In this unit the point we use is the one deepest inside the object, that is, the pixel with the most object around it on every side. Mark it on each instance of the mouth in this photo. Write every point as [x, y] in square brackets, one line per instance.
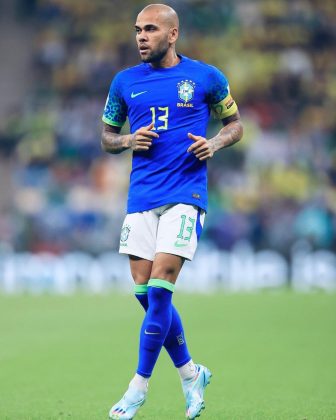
[143, 49]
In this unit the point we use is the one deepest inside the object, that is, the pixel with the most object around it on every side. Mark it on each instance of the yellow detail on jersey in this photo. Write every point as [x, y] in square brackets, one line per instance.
[183, 105]
[225, 108]
[163, 118]
[110, 122]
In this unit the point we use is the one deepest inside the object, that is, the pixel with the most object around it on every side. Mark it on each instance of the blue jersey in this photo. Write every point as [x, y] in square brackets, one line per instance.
[178, 100]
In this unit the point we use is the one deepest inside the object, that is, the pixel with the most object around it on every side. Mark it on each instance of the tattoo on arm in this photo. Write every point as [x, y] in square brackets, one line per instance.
[114, 142]
[230, 134]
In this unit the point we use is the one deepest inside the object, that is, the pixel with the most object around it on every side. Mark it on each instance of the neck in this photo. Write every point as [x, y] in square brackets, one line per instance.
[171, 59]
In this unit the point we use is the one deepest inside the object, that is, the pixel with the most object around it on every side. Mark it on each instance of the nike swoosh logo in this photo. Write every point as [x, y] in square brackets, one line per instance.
[151, 333]
[134, 95]
[179, 245]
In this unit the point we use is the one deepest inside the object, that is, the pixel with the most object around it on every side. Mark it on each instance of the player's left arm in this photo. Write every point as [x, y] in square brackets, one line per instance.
[230, 134]
[224, 108]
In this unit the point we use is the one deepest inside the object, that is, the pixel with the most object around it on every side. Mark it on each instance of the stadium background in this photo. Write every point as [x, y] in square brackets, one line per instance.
[273, 191]
[271, 220]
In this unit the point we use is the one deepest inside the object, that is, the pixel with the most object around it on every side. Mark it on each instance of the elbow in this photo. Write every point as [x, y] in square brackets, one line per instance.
[237, 131]
[240, 130]
[103, 145]
[108, 147]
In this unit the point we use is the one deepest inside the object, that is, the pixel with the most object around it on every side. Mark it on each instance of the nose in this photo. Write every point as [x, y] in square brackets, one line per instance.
[142, 36]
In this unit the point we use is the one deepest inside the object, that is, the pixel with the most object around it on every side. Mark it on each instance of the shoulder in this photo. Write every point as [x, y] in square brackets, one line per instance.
[210, 76]
[206, 68]
[124, 78]
[130, 72]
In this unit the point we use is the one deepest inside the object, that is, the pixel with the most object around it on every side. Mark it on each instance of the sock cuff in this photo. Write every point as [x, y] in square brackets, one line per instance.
[164, 284]
[140, 289]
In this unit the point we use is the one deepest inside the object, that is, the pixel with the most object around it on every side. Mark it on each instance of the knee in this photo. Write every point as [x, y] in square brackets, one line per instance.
[165, 272]
[140, 278]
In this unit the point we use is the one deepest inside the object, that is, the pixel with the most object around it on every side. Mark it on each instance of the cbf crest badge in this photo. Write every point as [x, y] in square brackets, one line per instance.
[124, 234]
[185, 89]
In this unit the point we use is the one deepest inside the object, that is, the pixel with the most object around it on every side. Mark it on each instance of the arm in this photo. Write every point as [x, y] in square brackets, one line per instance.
[230, 134]
[114, 142]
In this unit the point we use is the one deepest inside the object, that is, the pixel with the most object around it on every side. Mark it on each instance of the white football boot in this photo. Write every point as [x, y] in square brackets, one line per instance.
[193, 390]
[128, 406]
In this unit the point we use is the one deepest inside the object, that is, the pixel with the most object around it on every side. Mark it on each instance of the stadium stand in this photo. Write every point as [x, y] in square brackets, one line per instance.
[59, 192]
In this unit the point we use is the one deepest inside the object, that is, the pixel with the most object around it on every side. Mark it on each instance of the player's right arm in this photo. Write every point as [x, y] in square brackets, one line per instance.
[114, 142]
[114, 117]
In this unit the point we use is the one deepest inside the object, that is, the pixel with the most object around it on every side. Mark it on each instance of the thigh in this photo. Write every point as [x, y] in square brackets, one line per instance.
[166, 267]
[140, 269]
[179, 229]
[138, 234]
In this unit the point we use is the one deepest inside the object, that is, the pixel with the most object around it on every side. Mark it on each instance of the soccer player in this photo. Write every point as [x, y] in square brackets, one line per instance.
[167, 99]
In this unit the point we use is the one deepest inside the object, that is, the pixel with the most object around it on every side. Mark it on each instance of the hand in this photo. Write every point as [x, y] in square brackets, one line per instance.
[202, 148]
[142, 139]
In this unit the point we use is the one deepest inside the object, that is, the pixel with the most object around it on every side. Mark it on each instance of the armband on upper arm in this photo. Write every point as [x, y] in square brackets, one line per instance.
[225, 108]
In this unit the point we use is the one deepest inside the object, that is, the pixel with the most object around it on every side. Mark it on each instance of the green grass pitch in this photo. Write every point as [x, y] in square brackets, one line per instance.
[273, 356]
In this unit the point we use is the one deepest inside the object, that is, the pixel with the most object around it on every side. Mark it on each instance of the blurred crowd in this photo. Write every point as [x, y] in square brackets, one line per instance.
[273, 188]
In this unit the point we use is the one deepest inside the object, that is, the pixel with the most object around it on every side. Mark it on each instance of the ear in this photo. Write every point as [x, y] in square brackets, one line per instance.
[173, 35]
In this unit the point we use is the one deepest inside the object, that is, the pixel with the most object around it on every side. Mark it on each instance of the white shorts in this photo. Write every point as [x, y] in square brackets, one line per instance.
[172, 229]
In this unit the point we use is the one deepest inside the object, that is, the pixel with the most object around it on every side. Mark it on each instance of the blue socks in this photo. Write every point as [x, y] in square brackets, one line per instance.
[175, 343]
[155, 325]
[162, 326]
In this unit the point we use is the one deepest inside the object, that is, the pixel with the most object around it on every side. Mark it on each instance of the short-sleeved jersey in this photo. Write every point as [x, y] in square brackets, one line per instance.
[178, 100]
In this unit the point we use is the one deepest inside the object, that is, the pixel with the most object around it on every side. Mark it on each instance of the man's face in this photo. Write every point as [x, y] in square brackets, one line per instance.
[153, 36]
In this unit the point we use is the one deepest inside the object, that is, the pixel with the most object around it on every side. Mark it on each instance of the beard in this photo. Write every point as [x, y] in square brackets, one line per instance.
[157, 55]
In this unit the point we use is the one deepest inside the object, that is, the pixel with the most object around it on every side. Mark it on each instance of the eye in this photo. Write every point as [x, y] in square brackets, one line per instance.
[151, 28]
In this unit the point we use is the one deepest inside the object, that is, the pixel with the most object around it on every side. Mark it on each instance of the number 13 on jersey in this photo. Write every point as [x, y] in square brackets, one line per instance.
[160, 114]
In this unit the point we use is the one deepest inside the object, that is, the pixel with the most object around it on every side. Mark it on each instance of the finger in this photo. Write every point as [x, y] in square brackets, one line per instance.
[139, 148]
[152, 134]
[149, 127]
[195, 146]
[144, 143]
[147, 133]
[201, 149]
[144, 138]
[204, 158]
[191, 149]
[204, 154]
[193, 137]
